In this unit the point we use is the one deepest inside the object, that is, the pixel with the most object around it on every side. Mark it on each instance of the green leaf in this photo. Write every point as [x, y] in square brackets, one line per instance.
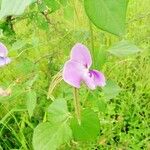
[31, 102]
[123, 49]
[53, 5]
[49, 136]
[108, 15]
[111, 90]
[58, 111]
[13, 7]
[89, 128]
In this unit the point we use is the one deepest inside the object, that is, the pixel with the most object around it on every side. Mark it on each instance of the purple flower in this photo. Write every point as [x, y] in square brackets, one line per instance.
[4, 60]
[77, 69]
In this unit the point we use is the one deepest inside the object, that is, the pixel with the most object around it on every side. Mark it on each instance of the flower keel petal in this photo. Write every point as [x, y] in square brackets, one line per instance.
[98, 77]
[89, 81]
[93, 79]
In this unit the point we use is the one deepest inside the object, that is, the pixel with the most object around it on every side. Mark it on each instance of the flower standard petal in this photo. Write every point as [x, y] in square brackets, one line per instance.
[73, 72]
[81, 54]
[3, 50]
[4, 61]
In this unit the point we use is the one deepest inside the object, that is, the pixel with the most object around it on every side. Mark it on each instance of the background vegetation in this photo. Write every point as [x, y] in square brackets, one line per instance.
[39, 42]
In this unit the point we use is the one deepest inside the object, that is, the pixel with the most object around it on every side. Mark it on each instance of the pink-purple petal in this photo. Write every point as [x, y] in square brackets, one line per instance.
[3, 50]
[93, 79]
[76, 70]
[72, 73]
[81, 54]
[89, 81]
[4, 61]
[98, 77]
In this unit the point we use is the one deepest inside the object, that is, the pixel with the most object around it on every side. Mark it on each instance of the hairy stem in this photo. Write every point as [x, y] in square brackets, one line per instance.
[77, 105]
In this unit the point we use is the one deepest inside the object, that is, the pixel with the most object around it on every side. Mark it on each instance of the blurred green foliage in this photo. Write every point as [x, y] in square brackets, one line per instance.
[39, 42]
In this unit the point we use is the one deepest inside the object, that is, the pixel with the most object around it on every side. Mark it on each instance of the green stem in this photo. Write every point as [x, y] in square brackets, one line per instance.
[77, 105]
[92, 40]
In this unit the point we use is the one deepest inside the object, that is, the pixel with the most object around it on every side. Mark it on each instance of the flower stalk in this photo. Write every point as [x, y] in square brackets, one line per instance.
[77, 105]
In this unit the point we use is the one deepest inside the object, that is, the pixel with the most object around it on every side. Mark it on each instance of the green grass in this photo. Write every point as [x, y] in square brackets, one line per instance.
[124, 120]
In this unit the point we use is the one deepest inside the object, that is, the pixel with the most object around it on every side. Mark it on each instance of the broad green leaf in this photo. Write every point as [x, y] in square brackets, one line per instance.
[111, 90]
[89, 128]
[53, 5]
[31, 102]
[123, 49]
[108, 15]
[13, 7]
[58, 111]
[49, 136]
